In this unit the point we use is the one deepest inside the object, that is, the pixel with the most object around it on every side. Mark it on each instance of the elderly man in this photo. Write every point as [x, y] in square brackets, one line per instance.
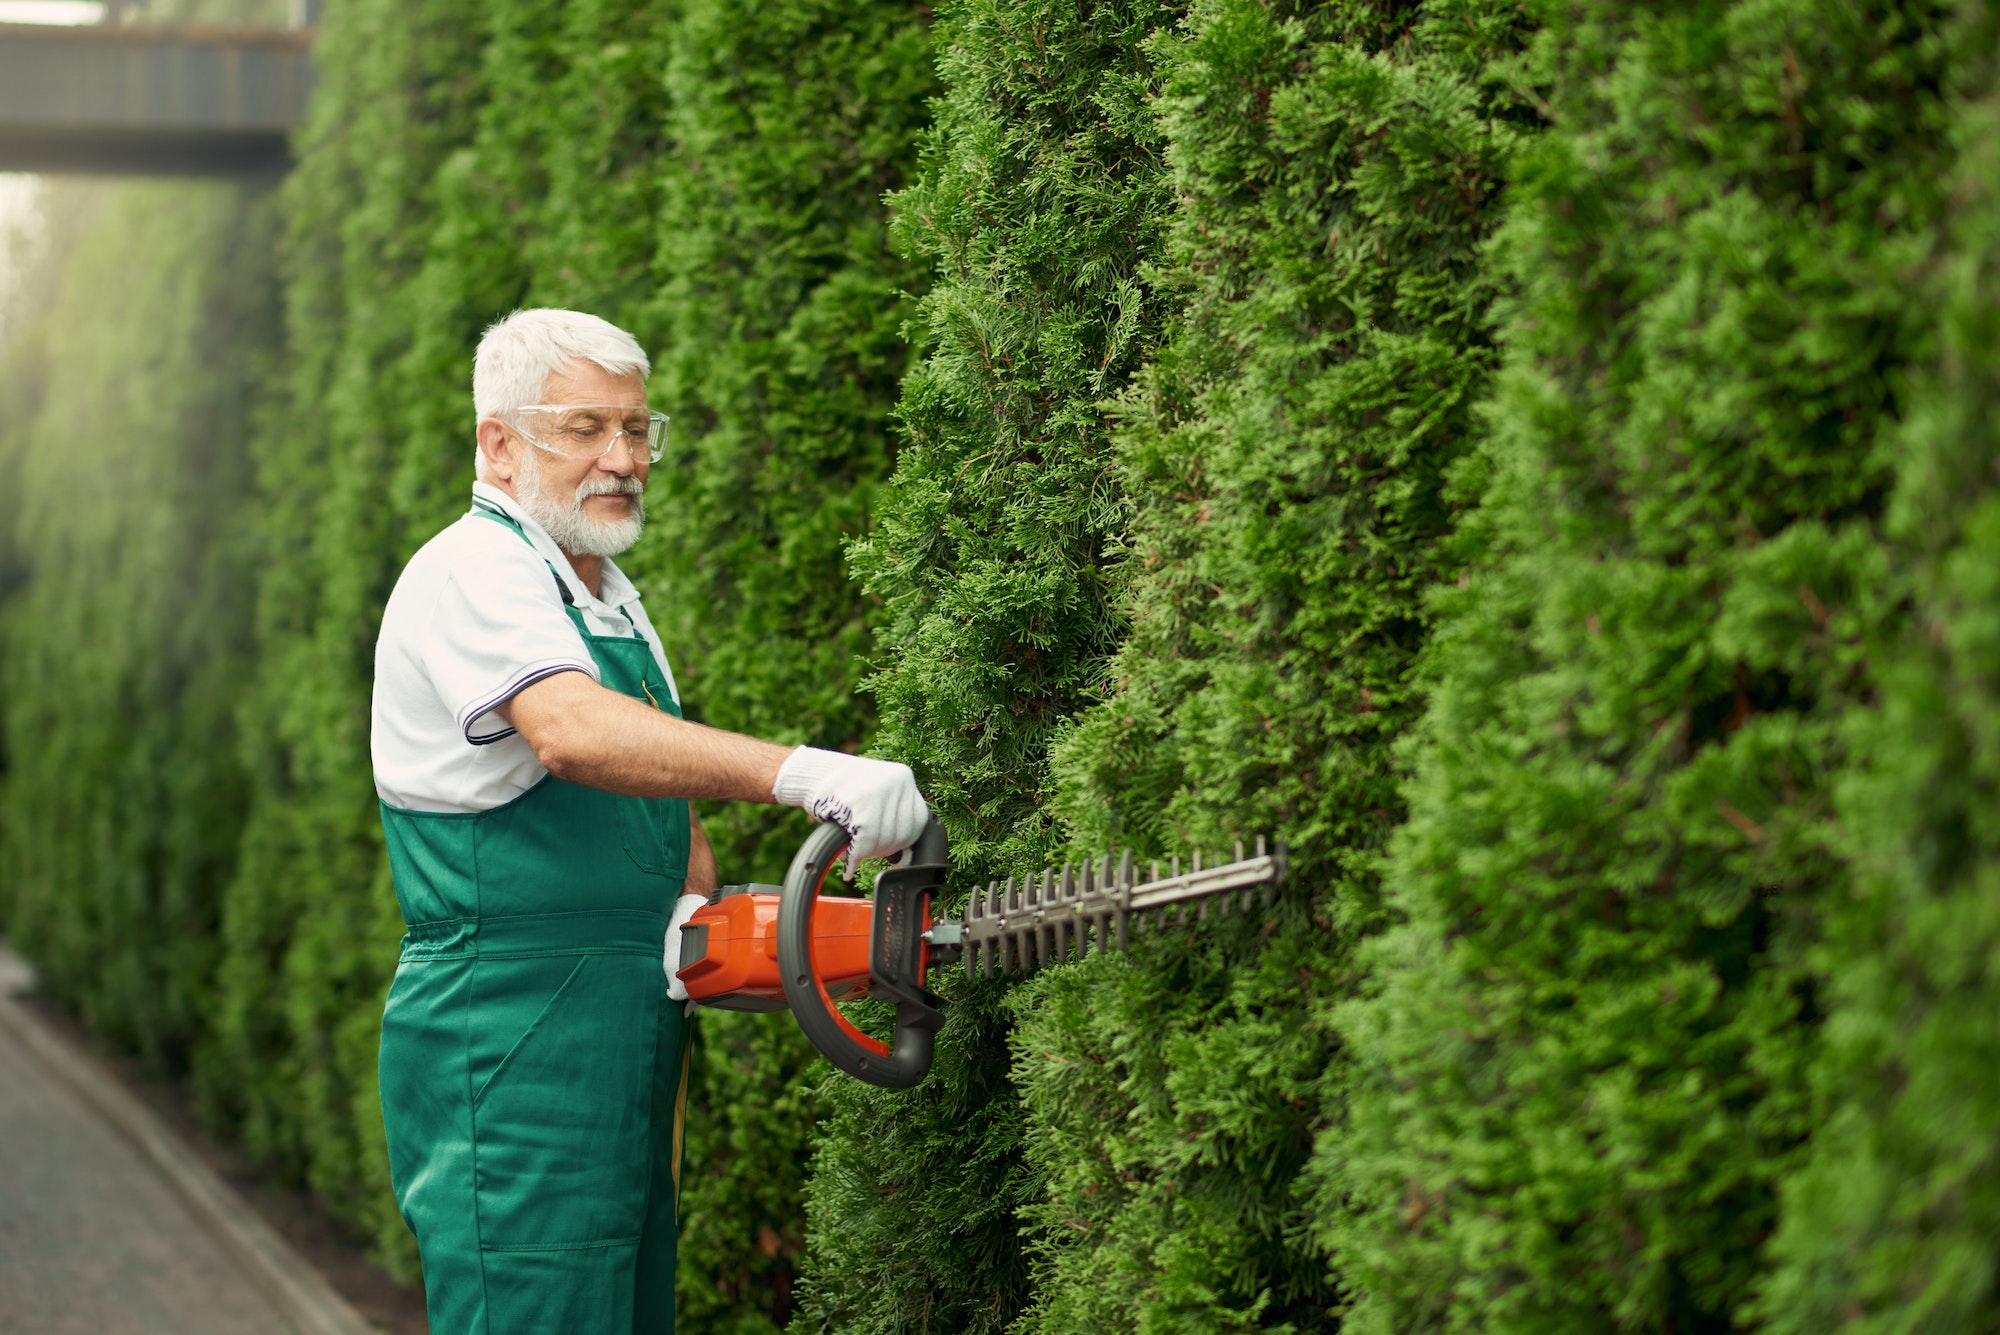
[534, 773]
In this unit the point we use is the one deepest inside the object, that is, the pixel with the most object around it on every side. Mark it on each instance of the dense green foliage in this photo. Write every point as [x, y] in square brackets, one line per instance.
[710, 175]
[1583, 1068]
[1042, 195]
[1535, 458]
[124, 403]
[1265, 489]
[1893, 1224]
[126, 573]
[1284, 459]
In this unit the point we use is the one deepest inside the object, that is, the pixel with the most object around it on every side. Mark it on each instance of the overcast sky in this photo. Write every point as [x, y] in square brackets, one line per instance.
[51, 11]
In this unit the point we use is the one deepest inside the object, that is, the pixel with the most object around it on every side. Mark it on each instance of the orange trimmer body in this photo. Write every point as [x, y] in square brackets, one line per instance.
[729, 948]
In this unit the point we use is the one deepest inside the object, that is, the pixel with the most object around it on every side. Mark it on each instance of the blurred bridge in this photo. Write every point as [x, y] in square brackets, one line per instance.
[126, 99]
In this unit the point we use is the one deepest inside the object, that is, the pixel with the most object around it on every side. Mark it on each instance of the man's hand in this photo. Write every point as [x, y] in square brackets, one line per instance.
[684, 909]
[876, 801]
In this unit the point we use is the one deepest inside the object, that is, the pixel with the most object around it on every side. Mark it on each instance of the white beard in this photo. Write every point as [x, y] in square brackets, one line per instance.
[573, 530]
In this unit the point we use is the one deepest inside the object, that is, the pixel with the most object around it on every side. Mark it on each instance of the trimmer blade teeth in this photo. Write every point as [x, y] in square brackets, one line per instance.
[1018, 925]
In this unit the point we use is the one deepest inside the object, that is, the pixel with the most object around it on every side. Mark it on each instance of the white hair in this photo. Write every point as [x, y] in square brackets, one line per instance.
[517, 356]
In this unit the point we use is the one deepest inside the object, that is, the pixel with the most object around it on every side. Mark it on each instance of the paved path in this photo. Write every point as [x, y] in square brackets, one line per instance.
[91, 1240]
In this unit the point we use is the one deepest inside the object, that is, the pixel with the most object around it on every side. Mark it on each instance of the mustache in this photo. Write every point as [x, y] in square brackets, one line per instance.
[609, 486]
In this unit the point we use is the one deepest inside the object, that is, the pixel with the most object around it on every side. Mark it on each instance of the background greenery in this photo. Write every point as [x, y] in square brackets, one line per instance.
[1587, 1041]
[1533, 457]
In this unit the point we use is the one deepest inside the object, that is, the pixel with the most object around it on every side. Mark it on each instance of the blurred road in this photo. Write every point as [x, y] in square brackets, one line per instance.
[91, 1240]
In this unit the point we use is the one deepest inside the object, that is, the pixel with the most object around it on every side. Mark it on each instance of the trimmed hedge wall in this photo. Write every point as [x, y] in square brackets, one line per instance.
[1532, 457]
[1584, 1057]
[1285, 461]
[1041, 197]
[1198, 362]
[126, 392]
[1892, 1222]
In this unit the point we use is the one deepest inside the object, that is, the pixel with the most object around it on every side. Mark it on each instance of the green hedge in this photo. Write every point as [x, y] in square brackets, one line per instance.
[1583, 1066]
[125, 398]
[1533, 457]
[1208, 327]
[1285, 459]
[1043, 193]
[1893, 1221]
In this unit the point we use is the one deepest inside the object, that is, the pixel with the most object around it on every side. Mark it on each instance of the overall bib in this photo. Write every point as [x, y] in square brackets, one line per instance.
[532, 1064]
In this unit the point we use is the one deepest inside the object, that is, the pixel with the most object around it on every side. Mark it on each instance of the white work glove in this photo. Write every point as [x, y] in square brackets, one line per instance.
[876, 801]
[684, 909]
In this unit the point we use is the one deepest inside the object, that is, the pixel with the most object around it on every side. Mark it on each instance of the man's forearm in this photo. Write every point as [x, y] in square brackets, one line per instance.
[601, 739]
[702, 877]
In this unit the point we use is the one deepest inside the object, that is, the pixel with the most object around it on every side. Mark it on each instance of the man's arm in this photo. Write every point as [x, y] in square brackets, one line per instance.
[598, 738]
[702, 877]
[601, 739]
[695, 891]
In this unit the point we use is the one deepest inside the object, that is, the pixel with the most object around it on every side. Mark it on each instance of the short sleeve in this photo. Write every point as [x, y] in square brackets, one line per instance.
[493, 632]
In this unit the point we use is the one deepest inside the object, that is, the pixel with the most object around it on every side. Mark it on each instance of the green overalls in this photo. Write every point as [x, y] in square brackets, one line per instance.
[532, 1064]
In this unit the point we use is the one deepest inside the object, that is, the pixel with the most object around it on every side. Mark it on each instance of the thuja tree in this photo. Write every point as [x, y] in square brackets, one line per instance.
[1583, 1061]
[1284, 461]
[1894, 1223]
[125, 409]
[776, 304]
[778, 301]
[1043, 192]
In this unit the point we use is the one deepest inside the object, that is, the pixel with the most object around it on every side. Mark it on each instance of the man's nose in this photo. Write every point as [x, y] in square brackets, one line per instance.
[623, 456]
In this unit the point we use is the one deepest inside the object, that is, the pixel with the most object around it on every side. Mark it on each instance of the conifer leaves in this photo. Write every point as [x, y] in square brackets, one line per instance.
[1285, 453]
[1283, 460]
[1204, 435]
[1891, 1222]
[1585, 1066]
[776, 301]
[1042, 196]
[765, 280]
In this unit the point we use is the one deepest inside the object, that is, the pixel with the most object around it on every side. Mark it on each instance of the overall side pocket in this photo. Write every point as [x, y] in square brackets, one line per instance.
[562, 1122]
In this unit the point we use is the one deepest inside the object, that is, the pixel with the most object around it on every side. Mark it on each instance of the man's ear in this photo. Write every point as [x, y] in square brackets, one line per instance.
[497, 449]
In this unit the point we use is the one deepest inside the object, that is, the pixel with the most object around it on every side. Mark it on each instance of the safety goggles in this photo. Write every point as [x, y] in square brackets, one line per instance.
[589, 430]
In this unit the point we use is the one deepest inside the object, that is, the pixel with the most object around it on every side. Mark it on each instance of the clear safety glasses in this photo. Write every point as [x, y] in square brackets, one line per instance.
[589, 430]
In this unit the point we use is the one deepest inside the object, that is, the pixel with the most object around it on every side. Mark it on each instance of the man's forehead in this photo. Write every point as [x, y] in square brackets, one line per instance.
[587, 382]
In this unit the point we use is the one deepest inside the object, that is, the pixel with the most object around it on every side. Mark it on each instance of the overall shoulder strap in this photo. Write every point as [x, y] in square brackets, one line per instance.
[487, 510]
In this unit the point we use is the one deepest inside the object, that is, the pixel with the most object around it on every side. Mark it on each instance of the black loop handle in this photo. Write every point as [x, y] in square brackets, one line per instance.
[896, 957]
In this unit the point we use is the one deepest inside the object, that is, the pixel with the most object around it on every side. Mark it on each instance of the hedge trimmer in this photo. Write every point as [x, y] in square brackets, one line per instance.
[768, 947]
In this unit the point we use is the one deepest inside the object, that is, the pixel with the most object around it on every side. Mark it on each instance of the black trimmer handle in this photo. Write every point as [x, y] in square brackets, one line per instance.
[895, 958]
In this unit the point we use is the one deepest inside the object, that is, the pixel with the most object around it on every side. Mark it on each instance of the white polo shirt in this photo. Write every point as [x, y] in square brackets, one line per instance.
[475, 617]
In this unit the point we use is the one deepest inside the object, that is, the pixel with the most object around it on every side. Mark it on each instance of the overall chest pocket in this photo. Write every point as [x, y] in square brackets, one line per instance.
[656, 836]
[563, 1122]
